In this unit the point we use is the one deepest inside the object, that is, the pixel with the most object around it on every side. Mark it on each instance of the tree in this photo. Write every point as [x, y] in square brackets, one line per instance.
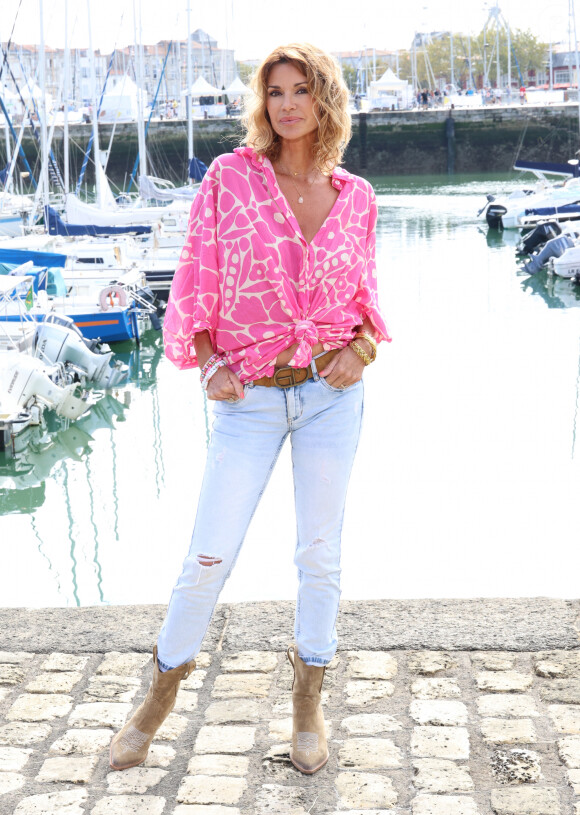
[245, 71]
[434, 58]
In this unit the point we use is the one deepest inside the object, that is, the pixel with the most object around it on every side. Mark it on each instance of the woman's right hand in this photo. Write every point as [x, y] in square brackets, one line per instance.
[224, 385]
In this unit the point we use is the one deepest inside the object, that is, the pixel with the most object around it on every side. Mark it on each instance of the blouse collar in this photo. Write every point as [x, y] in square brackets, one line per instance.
[340, 176]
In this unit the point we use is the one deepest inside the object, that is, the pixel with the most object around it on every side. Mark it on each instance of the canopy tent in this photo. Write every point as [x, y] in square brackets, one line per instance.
[121, 101]
[237, 88]
[389, 81]
[390, 91]
[201, 87]
[10, 100]
[7, 95]
[31, 91]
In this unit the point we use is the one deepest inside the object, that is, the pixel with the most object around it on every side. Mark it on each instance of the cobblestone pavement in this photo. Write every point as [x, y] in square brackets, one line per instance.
[417, 732]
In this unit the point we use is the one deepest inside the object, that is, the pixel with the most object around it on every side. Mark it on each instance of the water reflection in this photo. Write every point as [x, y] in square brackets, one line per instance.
[48, 447]
[472, 415]
[556, 292]
[41, 449]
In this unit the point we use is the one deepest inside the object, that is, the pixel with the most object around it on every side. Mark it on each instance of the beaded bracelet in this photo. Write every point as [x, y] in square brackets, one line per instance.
[360, 352]
[220, 363]
[211, 361]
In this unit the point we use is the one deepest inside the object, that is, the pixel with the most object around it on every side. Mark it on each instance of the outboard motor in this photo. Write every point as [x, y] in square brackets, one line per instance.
[494, 215]
[554, 248]
[58, 339]
[542, 233]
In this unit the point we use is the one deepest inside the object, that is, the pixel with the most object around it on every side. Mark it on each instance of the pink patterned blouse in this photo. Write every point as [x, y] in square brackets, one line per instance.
[249, 277]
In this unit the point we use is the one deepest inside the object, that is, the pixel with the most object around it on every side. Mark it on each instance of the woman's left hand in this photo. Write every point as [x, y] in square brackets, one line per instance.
[344, 369]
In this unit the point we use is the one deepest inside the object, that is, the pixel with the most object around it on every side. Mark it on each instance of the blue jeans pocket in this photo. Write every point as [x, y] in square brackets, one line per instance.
[338, 390]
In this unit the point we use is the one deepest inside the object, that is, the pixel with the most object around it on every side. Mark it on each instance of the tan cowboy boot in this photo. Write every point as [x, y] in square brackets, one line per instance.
[131, 744]
[309, 751]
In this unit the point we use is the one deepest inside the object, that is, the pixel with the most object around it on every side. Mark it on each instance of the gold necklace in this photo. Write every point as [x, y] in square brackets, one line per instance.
[290, 174]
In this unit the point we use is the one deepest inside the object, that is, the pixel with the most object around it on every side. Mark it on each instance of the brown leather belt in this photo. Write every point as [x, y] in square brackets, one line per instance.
[288, 377]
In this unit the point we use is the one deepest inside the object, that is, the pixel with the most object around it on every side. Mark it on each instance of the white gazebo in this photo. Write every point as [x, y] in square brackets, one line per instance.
[389, 91]
[121, 101]
[201, 87]
[237, 88]
[10, 100]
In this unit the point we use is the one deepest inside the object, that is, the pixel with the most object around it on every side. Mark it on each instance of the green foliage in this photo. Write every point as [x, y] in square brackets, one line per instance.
[245, 71]
[434, 60]
[351, 74]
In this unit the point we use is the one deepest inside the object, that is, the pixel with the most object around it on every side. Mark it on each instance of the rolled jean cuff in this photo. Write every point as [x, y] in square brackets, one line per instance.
[163, 666]
[314, 660]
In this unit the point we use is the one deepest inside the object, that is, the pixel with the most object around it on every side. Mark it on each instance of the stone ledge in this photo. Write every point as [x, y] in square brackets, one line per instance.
[512, 624]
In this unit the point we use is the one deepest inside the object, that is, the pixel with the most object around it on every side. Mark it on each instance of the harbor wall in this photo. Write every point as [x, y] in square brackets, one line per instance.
[387, 143]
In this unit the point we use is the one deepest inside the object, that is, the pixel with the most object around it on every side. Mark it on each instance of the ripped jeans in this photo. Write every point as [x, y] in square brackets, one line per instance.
[324, 425]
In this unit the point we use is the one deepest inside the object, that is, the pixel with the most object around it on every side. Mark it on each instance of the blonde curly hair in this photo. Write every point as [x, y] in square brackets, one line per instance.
[327, 88]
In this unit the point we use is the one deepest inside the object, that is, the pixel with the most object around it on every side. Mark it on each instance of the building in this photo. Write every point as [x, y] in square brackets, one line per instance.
[564, 71]
[217, 65]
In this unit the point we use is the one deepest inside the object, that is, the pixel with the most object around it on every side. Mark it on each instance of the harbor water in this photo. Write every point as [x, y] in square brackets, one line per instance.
[468, 472]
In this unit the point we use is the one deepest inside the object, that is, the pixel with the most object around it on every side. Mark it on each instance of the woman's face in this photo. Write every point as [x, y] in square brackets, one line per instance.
[290, 107]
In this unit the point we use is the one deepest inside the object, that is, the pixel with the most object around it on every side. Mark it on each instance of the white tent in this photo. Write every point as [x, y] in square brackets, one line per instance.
[201, 87]
[10, 100]
[33, 92]
[389, 80]
[237, 88]
[389, 91]
[120, 101]
[7, 95]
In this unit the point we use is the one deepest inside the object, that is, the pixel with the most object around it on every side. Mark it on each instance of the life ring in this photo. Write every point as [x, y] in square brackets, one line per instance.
[112, 296]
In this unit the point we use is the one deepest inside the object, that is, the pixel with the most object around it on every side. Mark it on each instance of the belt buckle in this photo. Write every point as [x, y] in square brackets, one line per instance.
[286, 377]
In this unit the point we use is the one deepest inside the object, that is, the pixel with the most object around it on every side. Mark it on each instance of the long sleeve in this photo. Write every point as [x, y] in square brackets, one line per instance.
[366, 295]
[194, 296]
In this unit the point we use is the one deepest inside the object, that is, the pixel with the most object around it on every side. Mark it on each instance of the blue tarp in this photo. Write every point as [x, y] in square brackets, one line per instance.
[19, 256]
[197, 169]
[565, 209]
[56, 226]
[547, 167]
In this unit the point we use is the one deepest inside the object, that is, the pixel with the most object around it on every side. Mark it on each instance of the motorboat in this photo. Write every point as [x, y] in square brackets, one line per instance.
[567, 264]
[104, 257]
[44, 364]
[27, 387]
[552, 250]
[528, 206]
[104, 306]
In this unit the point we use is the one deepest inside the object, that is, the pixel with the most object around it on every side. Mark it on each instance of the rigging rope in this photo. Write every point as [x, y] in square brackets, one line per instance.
[90, 144]
[9, 43]
[135, 166]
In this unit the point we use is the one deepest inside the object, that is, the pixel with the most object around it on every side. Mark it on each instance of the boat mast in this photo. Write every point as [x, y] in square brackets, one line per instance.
[509, 45]
[189, 97]
[498, 69]
[576, 57]
[141, 159]
[43, 130]
[140, 99]
[94, 108]
[471, 84]
[66, 97]
[452, 55]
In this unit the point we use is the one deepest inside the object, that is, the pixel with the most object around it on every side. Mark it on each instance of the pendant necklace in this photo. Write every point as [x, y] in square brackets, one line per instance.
[289, 174]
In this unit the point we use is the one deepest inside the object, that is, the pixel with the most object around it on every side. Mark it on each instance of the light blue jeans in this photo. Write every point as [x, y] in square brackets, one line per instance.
[324, 426]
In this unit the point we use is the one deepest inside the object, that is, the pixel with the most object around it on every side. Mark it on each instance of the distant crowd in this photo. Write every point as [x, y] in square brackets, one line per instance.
[491, 96]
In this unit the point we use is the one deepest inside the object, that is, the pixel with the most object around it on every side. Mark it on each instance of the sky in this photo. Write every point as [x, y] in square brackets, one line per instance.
[254, 27]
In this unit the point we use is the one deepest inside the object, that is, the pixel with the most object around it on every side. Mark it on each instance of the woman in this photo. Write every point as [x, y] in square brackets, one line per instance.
[275, 300]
